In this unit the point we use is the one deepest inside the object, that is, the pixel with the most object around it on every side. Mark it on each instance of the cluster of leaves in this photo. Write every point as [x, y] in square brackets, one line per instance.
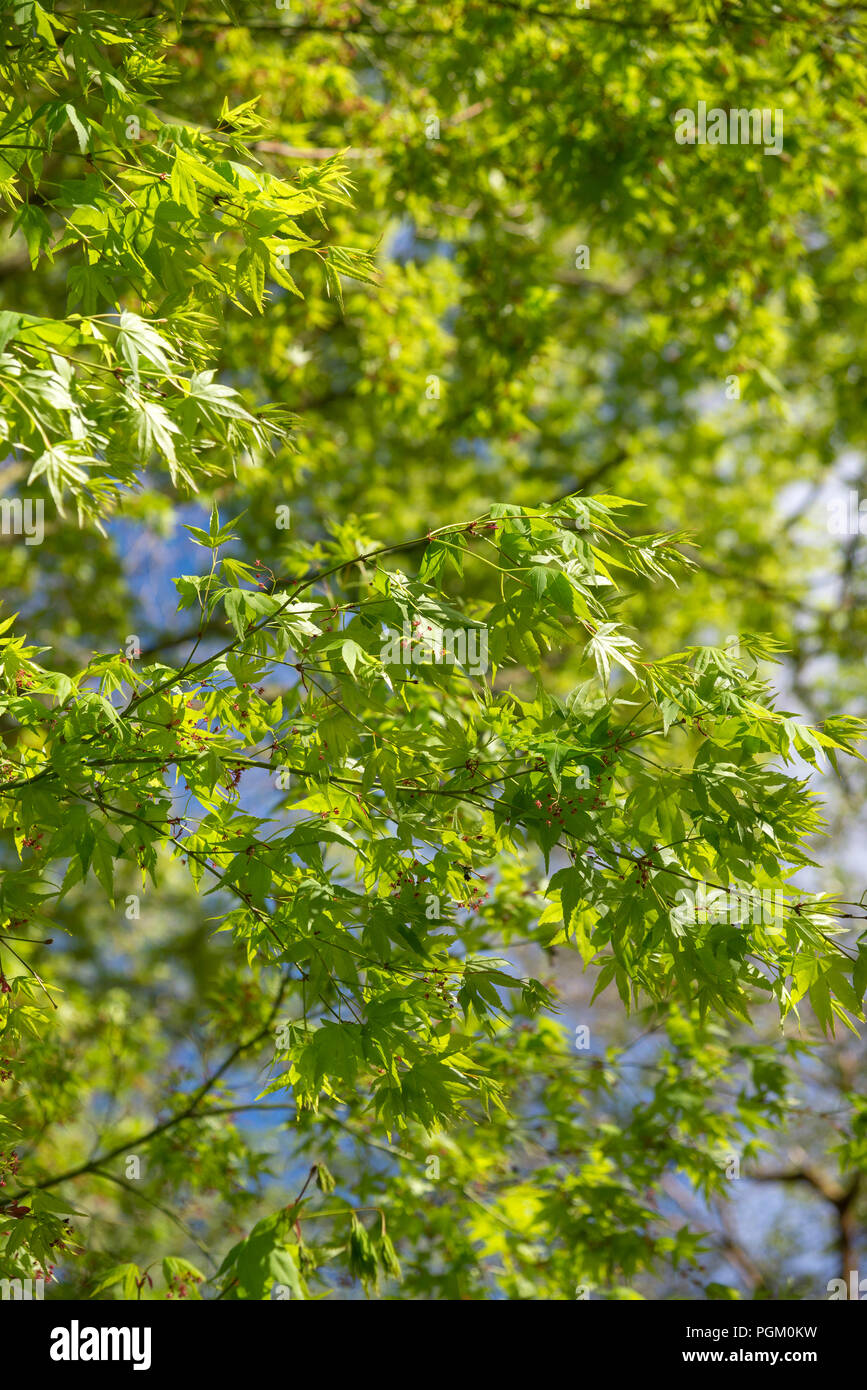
[402, 789]
[156, 213]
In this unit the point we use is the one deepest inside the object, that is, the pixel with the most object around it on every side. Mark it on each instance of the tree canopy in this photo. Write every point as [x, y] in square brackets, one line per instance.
[432, 683]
